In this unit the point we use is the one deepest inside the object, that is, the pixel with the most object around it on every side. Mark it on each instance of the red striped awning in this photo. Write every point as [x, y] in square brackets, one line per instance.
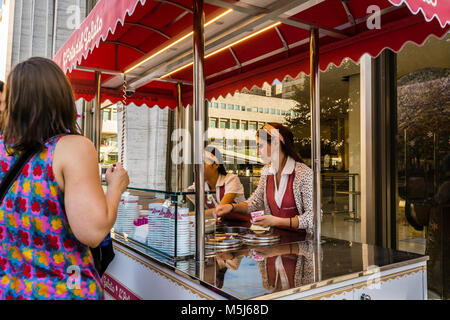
[118, 34]
[439, 9]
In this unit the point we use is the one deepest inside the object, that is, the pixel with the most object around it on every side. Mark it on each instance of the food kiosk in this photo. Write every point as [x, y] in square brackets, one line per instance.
[179, 53]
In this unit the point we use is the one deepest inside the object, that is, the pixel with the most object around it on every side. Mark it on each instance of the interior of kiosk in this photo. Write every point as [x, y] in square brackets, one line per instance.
[241, 45]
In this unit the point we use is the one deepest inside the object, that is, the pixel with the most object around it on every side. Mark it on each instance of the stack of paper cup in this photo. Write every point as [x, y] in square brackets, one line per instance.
[127, 211]
[169, 231]
[155, 237]
[183, 233]
[191, 221]
[150, 231]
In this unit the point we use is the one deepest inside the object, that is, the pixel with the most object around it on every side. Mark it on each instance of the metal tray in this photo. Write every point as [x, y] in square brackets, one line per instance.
[231, 230]
[227, 243]
[213, 250]
[260, 243]
[267, 236]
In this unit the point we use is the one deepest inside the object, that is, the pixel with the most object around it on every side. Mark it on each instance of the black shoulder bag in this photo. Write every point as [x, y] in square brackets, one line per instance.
[14, 172]
[103, 255]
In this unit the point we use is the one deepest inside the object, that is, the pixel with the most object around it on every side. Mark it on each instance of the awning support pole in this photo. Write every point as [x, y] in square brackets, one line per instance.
[315, 130]
[97, 112]
[315, 144]
[179, 127]
[199, 110]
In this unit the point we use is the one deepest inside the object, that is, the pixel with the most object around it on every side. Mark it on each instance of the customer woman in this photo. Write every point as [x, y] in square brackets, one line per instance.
[226, 187]
[285, 187]
[56, 209]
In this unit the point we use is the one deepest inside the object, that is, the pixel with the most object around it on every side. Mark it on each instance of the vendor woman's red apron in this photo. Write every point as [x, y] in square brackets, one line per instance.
[288, 206]
[212, 205]
[231, 215]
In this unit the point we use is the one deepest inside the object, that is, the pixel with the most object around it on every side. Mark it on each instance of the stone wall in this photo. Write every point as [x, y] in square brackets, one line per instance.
[145, 146]
[33, 26]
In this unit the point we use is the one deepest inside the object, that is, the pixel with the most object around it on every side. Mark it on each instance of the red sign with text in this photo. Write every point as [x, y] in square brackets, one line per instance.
[116, 290]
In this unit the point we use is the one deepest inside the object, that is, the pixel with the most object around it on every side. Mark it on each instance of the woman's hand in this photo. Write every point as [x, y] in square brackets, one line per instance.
[117, 177]
[223, 209]
[267, 221]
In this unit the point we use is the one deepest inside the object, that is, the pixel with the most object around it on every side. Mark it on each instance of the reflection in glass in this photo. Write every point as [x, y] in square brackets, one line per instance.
[423, 156]
[340, 144]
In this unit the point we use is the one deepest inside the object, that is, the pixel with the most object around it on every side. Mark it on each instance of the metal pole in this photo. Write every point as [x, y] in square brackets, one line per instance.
[199, 104]
[55, 21]
[315, 130]
[97, 113]
[179, 125]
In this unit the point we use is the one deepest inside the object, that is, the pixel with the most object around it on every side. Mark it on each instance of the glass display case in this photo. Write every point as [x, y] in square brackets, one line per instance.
[161, 221]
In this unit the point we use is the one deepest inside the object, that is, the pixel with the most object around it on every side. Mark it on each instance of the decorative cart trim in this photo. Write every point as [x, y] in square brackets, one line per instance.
[363, 284]
[165, 275]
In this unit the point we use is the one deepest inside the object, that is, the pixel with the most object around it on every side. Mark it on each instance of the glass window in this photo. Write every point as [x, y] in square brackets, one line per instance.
[260, 125]
[213, 123]
[340, 143]
[266, 110]
[255, 109]
[231, 107]
[216, 105]
[423, 152]
[107, 114]
[224, 124]
[243, 108]
[223, 105]
[278, 111]
[236, 107]
[261, 110]
[209, 104]
[114, 115]
[244, 125]
[234, 125]
[272, 111]
[252, 126]
[283, 112]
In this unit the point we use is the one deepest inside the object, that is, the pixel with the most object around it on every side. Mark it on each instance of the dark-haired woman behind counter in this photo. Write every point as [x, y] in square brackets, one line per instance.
[226, 186]
[285, 188]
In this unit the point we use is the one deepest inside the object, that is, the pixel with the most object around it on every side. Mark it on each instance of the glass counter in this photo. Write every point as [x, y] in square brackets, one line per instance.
[161, 221]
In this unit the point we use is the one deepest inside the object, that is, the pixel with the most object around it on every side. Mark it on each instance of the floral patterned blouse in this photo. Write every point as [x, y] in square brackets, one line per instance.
[40, 258]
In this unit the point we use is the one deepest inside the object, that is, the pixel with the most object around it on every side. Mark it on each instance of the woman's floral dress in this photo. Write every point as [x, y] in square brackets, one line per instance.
[40, 258]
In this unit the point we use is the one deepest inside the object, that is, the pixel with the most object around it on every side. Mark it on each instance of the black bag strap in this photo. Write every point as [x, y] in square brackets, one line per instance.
[16, 169]
[14, 172]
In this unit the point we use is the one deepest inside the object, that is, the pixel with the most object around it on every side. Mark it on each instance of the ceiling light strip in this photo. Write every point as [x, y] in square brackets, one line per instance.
[175, 42]
[224, 48]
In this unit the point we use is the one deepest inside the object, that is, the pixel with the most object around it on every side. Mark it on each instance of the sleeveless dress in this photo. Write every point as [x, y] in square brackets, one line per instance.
[40, 257]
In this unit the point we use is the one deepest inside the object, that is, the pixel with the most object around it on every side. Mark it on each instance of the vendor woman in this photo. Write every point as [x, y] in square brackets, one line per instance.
[227, 186]
[285, 187]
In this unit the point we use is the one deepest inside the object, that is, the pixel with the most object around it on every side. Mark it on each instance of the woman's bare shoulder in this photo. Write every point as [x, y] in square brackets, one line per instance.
[74, 148]
[75, 144]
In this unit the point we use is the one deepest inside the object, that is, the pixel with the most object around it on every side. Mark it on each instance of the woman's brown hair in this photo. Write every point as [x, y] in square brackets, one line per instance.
[288, 145]
[39, 105]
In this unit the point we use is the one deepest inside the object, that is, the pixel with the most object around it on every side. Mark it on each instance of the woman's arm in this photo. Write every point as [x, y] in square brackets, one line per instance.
[272, 221]
[91, 213]
[227, 198]
[255, 202]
